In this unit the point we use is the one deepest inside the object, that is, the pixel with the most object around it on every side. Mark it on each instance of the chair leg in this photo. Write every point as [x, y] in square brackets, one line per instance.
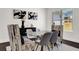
[52, 45]
[48, 48]
[41, 48]
[37, 47]
[55, 44]
[61, 42]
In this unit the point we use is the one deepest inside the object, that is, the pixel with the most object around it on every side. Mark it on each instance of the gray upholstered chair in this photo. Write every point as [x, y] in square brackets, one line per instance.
[45, 41]
[54, 38]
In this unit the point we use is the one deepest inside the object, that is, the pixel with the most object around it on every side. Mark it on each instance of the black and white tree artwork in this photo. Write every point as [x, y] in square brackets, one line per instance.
[32, 15]
[19, 14]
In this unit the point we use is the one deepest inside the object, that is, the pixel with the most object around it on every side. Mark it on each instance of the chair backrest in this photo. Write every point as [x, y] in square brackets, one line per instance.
[14, 35]
[54, 37]
[45, 38]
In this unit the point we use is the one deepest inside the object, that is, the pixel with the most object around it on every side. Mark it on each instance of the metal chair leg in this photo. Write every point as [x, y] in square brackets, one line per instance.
[52, 45]
[41, 48]
[48, 48]
[37, 47]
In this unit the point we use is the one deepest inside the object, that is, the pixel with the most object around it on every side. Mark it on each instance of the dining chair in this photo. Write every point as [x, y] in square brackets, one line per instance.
[15, 39]
[44, 41]
[53, 39]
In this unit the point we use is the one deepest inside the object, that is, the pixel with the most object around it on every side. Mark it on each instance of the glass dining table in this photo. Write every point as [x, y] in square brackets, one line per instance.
[30, 41]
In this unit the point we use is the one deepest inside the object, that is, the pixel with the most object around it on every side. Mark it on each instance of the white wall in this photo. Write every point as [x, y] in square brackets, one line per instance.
[43, 23]
[72, 36]
[6, 17]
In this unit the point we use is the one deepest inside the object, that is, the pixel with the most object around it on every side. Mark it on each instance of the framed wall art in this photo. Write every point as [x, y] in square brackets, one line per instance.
[19, 14]
[32, 15]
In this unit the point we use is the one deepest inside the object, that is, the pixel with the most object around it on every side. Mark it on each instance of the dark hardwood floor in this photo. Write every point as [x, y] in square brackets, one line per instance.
[67, 42]
[3, 46]
[71, 43]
